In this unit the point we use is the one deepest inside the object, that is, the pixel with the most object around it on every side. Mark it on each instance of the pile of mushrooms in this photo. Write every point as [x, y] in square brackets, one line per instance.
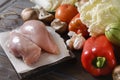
[38, 13]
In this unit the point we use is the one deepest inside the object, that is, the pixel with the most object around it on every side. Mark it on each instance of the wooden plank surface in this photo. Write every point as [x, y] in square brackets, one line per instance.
[65, 71]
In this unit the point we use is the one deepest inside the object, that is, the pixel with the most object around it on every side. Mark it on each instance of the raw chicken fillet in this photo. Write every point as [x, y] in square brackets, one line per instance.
[20, 46]
[30, 39]
[37, 32]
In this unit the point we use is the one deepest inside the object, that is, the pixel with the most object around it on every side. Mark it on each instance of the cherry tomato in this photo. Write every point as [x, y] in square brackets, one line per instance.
[77, 26]
[66, 12]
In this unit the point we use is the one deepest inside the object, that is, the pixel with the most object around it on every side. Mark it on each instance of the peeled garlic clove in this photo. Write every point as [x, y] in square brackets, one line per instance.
[69, 43]
[71, 33]
[78, 42]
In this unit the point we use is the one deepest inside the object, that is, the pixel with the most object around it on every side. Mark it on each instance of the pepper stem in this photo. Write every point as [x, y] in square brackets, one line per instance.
[100, 62]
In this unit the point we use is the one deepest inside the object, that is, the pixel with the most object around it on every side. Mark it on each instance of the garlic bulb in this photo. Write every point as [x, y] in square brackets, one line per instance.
[76, 41]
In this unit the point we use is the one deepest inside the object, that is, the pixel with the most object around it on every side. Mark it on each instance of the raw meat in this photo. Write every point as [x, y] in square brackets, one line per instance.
[36, 31]
[21, 46]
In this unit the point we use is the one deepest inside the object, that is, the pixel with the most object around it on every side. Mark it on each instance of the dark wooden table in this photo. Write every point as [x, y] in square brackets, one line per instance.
[70, 70]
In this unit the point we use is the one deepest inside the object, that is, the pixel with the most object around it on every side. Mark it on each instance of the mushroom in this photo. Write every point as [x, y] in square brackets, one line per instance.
[45, 16]
[29, 14]
[36, 13]
[116, 73]
[59, 26]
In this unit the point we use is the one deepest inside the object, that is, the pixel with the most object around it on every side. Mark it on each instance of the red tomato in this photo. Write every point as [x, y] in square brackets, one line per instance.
[66, 12]
[77, 26]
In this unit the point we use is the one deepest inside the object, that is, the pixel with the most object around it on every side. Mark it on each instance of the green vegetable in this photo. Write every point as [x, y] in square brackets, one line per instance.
[98, 14]
[112, 32]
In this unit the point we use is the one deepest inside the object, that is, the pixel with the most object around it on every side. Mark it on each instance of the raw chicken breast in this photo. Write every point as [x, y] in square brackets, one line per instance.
[36, 31]
[21, 46]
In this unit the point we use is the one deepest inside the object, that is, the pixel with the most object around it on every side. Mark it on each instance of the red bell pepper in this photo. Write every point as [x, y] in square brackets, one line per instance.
[98, 56]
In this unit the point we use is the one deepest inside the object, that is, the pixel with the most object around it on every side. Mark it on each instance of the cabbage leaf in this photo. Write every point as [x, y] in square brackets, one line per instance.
[98, 14]
[52, 5]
